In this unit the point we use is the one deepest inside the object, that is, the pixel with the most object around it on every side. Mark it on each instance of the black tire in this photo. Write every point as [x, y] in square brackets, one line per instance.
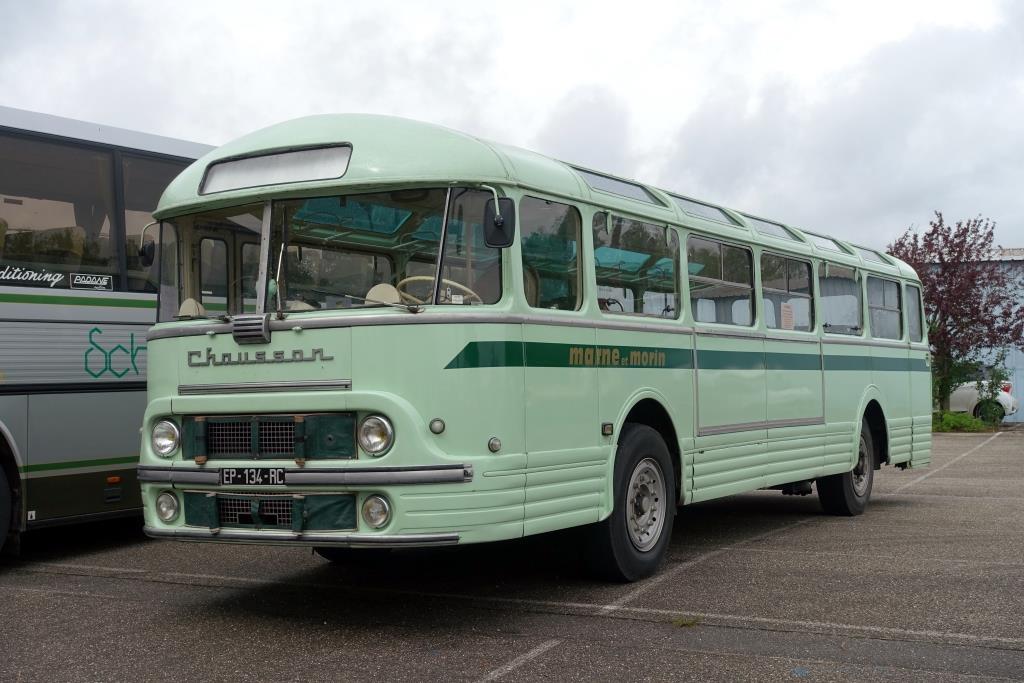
[353, 556]
[5, 508]
[847, 494]
[615, 553]
[990, 411]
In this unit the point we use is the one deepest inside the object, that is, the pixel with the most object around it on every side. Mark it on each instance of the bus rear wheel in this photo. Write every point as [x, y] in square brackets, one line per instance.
[5, 507]
[847, 494]
[632, 542]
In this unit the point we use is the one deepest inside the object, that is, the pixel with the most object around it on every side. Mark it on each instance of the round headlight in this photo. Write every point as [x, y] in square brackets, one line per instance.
[376, 511]
[376, 435]
[167, 506]
[165, 438]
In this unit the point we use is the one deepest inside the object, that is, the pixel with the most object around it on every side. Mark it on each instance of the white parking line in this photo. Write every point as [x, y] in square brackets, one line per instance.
[939, 469]
[520, 660]
[670, 573]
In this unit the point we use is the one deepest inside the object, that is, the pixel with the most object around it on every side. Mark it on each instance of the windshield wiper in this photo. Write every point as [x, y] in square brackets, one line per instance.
[412, 308]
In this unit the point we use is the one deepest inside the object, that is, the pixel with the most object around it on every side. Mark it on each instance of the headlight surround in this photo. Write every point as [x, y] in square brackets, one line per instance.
[165, 438]
[376, 435]
[167, 507]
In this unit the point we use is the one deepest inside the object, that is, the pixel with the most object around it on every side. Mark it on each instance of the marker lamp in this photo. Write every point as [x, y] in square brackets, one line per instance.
[376, 435]
[165, 438]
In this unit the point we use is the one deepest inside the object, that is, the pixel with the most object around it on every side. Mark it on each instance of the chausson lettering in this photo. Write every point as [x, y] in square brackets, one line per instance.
[207, 358]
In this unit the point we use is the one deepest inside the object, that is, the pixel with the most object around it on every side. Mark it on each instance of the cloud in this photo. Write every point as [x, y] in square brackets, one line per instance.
[931, 122]
[589, 126]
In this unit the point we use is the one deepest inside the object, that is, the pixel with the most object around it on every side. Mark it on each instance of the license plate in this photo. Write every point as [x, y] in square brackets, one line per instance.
[252, 476]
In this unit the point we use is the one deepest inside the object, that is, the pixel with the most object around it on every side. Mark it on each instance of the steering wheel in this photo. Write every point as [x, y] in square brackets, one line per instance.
[410, 299]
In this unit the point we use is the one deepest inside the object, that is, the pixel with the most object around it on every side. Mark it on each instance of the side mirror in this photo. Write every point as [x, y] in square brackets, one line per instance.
[499, 226]
[147, 252]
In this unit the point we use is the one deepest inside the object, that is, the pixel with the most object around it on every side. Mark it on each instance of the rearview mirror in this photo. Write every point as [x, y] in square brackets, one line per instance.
[147, 252]
[499, 226]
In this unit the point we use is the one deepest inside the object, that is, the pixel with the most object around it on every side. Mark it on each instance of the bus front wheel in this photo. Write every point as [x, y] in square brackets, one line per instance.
[633, 541]
[848, 493]
[5, 508]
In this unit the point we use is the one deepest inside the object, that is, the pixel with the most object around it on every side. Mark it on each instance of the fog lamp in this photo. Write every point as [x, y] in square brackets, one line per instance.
[167, 506]
[376, 435]
[376, 511]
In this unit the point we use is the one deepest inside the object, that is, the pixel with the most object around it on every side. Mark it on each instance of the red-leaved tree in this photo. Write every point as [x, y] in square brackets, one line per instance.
[971, 301]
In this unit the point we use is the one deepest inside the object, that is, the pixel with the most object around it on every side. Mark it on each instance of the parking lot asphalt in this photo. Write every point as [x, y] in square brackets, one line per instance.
[927, 585]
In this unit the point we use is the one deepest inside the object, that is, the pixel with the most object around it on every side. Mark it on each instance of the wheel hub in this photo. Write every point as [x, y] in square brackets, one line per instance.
[645, 505]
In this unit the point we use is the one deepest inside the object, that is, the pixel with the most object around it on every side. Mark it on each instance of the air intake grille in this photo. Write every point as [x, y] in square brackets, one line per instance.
[277, 437]
[228, 438]
[270, 511]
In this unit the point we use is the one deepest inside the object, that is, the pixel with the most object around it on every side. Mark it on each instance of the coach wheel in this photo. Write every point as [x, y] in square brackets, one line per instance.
[989, 411]
[848, 493]
[633, 541]
[5, 507]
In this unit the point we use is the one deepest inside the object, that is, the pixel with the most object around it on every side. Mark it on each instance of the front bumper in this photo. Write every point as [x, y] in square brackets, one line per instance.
[308, 476]
[342, 540]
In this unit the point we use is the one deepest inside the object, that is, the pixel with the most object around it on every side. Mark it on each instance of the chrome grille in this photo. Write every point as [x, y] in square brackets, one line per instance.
[274, 511]
[228, 438]
[277, 437]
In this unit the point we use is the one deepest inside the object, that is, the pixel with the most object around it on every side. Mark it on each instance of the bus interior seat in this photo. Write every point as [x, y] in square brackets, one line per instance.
[65, 246]
[531, 286]
[190, 308]
[385, 293]
[298, 305]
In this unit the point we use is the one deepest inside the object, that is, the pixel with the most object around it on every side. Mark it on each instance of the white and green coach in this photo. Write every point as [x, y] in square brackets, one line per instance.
[377, 333]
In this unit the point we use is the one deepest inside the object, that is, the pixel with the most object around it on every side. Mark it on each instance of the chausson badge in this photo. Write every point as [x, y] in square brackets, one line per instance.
[200, 359]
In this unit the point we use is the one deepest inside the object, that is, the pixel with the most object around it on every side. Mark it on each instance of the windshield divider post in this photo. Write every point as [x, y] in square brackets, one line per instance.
[436, 289]
[261, 278]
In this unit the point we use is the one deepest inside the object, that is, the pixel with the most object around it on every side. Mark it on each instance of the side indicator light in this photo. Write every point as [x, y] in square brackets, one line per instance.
[113, 480]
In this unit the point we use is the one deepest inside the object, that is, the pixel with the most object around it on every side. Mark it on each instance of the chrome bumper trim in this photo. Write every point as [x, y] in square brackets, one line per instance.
[304, 539]
[366, 476]
[264, 387]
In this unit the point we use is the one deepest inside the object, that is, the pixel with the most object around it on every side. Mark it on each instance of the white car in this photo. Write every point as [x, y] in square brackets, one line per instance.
[965, 399]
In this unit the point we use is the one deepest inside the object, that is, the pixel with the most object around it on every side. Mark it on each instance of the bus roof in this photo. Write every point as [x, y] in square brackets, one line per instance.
[387, 150]
[71, 129]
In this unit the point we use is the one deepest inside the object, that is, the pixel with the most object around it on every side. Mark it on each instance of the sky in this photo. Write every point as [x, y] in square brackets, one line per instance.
[858, 119]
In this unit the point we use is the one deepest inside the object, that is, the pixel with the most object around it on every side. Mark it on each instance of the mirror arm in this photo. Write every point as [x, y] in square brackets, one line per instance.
[498, 220]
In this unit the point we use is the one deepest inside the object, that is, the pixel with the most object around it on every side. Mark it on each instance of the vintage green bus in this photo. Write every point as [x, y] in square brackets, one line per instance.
[377, 333]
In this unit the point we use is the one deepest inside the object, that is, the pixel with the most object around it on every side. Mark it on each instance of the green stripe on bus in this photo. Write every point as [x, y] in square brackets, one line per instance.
[110, 302]
[78, 464]
[513, 354]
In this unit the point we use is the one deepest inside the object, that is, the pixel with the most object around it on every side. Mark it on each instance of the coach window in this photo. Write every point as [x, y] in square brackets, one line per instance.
[721, 282]
[914, 313]
[839, 288]
[884, 308]
[56, 206]
[786, 287]
[144, 182]
[635, 263]
[551, 255]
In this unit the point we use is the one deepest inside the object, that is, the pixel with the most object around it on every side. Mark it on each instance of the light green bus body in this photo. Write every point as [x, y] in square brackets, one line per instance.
[740, 407]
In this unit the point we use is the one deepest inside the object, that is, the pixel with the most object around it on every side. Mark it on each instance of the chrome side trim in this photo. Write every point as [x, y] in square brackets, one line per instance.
[742, 334]
[343, 540]
[259, 387]
[859, 341]
[364, 476]
[768, 424]
[425, 318]
[789, 340]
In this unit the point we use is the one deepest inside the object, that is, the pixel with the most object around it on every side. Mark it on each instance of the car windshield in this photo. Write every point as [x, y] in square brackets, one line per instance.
[341, 252]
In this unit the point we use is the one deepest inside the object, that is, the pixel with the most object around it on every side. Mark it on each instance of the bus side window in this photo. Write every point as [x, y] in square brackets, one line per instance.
[636, 266]
[914, 313]
[551, 255]
[884, 308]
[721, 282]
[839, 287]
[786, 289]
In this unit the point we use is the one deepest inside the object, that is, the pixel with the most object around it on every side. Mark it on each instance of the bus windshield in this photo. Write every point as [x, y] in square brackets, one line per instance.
[334, 252]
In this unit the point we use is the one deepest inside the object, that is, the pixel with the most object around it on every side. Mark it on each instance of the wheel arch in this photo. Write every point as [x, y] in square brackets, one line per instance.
[873, 412]
[10, 463]
[648, 408]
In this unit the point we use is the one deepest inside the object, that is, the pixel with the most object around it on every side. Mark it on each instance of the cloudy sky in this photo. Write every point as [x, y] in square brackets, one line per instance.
[855, 118]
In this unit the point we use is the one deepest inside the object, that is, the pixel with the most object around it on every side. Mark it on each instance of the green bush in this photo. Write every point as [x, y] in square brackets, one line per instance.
[957, 422]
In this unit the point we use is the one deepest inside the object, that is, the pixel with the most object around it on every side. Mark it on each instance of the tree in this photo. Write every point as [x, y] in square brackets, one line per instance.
[972, 302]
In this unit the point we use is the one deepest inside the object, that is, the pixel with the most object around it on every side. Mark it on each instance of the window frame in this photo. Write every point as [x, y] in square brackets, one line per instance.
[581, 293]
[608, 218]
[860, 281]
[920, 312]
[689, 277]
[898, 310]
[812, 299]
